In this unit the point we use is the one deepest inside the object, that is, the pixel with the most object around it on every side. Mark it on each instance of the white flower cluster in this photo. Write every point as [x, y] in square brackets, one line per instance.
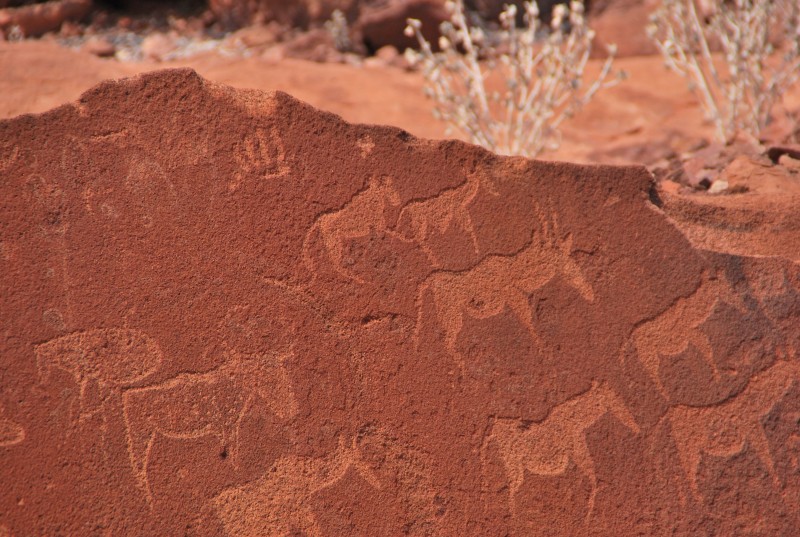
[542, 70]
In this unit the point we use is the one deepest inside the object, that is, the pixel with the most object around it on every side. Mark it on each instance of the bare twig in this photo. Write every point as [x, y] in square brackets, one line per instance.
[543, 76]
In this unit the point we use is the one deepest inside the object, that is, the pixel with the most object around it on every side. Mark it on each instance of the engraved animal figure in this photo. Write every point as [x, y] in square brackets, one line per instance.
[102, 359]
[724, 430]
[364, 213]
[498, 282]
[193, 405]
[546, 448]
[11, 433]
[279, 503]
[451, 207]
[675, 329]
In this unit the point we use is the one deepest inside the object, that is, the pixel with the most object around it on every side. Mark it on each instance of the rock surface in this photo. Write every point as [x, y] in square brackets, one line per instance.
[36, 20]
[226, 312]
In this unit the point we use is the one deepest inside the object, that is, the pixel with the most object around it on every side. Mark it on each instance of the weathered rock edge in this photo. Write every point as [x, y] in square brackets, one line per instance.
[224, 311]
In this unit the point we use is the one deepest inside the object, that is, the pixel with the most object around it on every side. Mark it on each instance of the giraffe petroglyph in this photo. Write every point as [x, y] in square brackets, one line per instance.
[193, 405]
[546, 448]
[725, 429]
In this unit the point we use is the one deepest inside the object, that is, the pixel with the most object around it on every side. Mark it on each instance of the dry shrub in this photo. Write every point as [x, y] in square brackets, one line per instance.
[738, 88]
[543, 70]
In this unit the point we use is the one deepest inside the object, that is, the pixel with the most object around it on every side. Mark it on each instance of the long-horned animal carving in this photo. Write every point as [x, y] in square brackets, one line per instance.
[279, 503]
[724, 430]
[547, 448]
[193, 405]
[675, 329]
[503, 281]
[362, 214]
[110, 358]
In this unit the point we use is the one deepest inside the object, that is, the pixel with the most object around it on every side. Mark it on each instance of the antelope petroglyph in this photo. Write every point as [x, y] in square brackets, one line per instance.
[547, 448]
[279, 503]
[193, 405]
[674, 330]
[419, 219]
[724, 430]
[498, 282]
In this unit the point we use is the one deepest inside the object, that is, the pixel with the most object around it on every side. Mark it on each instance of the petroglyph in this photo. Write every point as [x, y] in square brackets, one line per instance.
[260, 152]
[364, 213]
[103, 359]
[279, 503]
[546, 448]
[725, 429]
[403, 468]
[365, 145]
[11, 433]
[674, 330]
[439, 213]
[193, 405]
[499, 282]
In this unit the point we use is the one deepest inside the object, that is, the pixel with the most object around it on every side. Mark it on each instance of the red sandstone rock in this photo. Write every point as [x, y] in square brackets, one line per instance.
[226, 312]
[383, 23]
[36, 20]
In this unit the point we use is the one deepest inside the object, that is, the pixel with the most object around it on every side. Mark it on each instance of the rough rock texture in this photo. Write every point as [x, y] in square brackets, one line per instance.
[225, 312]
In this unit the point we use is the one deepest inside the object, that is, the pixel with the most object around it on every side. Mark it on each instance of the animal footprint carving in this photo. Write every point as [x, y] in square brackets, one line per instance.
[108, 359]
[547, 448]
[499, 282]
[725, 429]
[198, 404]
[279, 503]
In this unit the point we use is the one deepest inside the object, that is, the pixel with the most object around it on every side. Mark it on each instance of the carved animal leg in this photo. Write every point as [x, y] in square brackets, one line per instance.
[516, 476]
[689, 451]
[519, 304]
[704, 347]
[141, 435]
[234, 449]
[760, 443]
[583, 459]
[649, 357]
